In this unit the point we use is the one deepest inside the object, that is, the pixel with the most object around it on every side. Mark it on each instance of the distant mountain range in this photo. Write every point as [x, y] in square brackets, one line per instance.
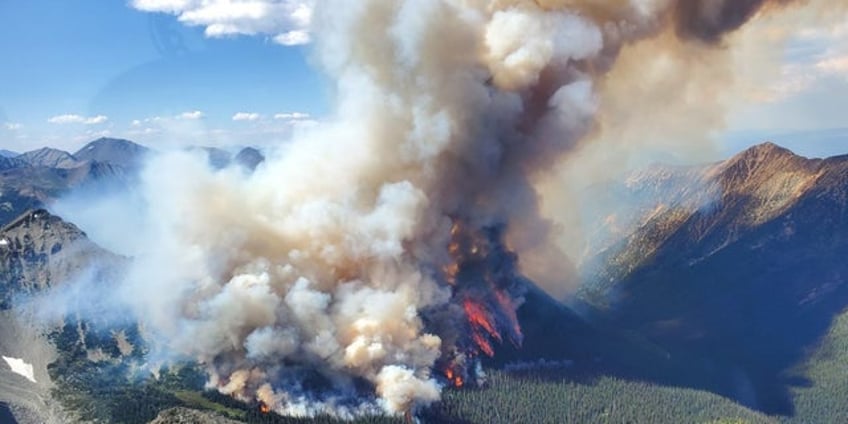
[727, 278]
[35, 179]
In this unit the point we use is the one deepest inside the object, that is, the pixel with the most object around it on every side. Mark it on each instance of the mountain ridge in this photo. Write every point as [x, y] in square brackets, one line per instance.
[50, 158]
[718, 275]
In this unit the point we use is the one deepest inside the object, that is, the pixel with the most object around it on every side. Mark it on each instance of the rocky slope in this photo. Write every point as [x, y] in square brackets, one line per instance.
[50, 158]
[39, 250]
[123, 153]
[37, 178]
[746, 274]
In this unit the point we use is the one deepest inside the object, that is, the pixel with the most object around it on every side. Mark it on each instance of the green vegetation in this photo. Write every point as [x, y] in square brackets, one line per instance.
[545, 397]
[197, 401]
[105, 392]
[824, 398]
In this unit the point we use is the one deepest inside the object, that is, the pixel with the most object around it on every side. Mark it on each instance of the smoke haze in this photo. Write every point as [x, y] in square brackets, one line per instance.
[387, 245]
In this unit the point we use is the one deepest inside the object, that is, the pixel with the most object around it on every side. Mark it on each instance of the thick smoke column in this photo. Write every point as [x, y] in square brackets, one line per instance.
[709, 20]
[377, 256]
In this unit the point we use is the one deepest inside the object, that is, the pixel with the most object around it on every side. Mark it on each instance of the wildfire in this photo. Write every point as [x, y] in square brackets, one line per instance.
[486, 285]
[482, 260]
[451, 272]
[264, 408]
[454, 377]
[481, 321]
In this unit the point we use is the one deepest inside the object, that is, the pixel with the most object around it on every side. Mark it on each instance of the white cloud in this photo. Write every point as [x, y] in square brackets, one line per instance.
[188, 116]
[292, 38]
[812, 56]
[12, 126]
[78, 119]
[246, 116]
[834, 64]
[292, 116]
[296, 119]
[185, 116]
[286, 21]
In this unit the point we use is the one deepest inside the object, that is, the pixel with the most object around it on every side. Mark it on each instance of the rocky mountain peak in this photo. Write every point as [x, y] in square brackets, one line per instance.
[50, 158]
[249, 158]
[763, 161]
[114, 151]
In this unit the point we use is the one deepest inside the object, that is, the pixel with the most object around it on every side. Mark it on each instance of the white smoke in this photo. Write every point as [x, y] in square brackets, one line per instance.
[320, 264]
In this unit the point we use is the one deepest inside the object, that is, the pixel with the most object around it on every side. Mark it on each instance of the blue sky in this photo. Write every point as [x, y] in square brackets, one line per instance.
[98, 67]
[176, 72]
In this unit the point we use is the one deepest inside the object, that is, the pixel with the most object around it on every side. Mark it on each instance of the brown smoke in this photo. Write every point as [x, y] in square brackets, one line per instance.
[710, 20]
[375, 258]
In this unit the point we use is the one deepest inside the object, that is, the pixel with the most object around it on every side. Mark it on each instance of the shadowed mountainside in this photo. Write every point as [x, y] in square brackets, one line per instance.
[727, 282]
[746, 274]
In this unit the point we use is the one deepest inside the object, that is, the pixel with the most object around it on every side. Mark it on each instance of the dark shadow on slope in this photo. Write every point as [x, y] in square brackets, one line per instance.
[752, 301]
[726, 301]
[6, 416]
[560, 345]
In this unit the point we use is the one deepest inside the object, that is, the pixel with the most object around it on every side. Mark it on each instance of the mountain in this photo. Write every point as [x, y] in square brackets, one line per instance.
[38, 250]
[50, 158]
[217, 158]
[719, 295]
[24, 187]
[249, 158]
[10, 163]
[37, 178]
[739, 266]
[113, 151]
[8, 153]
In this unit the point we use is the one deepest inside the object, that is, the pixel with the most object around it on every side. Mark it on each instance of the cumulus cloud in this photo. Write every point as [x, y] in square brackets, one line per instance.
[292, 116]
[813, 54]
[296, 119]
[78, 119]
[12, 126]
[286, 21]
[246, 116]
[190, 116]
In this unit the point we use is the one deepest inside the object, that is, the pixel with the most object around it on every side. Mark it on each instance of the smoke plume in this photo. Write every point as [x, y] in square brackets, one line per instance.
[375, 258]
[709, 20]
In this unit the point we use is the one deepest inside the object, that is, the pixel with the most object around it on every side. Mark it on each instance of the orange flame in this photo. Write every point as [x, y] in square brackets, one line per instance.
[480, 318]
[450, 272]
[264, 408]
[490, 310]
[482, 326]
[454, 378]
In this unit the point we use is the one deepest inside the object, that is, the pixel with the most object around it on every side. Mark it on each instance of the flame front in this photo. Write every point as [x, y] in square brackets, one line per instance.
[482, 326]
[487, 287]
